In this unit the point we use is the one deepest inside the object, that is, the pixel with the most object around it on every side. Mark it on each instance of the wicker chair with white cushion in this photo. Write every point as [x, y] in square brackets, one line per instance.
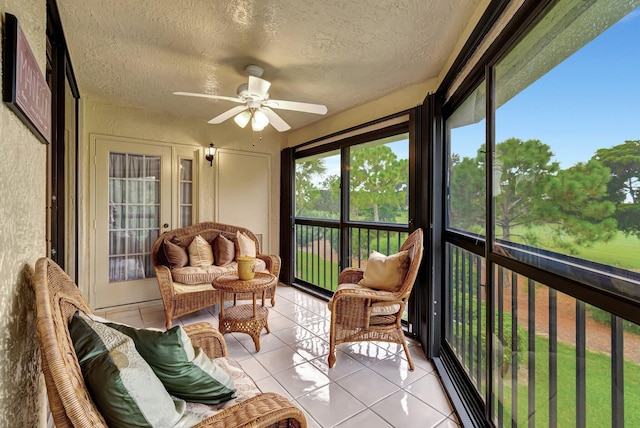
[361, 313]
[58, 303]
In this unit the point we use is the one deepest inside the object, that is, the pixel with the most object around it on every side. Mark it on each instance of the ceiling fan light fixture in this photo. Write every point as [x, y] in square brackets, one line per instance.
[257, 127]
[256, 104]
[260, 120]
[242, 118]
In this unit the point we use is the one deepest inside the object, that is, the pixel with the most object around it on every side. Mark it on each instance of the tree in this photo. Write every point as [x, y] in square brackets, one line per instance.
[575, 206]
[379, 183]
[523, 169]
[529, 190]
[467, 194]
[623, 161]
[328, 200]
[306, 189]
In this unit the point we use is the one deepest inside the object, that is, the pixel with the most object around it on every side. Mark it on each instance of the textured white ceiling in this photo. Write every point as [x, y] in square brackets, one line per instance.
[341, 53]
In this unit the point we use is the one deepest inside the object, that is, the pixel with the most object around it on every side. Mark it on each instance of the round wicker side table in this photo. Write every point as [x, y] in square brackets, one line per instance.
[249, 319]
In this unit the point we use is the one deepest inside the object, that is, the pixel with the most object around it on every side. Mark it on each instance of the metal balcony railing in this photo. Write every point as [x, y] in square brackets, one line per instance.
[557, 361]
[318, 249]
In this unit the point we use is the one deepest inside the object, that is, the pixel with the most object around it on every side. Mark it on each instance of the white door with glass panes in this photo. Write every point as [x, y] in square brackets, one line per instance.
[141, 191]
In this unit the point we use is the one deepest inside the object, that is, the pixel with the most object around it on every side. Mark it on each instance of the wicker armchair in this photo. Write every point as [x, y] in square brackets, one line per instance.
[360, 314]
[58, 298]
[179, 304]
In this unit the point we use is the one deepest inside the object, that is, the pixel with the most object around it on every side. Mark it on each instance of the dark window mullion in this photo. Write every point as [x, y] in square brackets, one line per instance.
[514, 349]
[531, 308]
[617, 371]
[479, 325]
[500, 363]
[581, 365]
[553, 358]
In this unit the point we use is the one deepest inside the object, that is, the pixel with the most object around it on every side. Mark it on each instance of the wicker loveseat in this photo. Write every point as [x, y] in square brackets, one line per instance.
[180, 298]
[58, 298]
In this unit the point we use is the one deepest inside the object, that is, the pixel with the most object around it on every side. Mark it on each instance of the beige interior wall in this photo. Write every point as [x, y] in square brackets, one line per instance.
[395, 102]
[99, 117]
[22, 242]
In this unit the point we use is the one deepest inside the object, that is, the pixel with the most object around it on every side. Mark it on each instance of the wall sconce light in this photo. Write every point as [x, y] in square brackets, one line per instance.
[210, 153]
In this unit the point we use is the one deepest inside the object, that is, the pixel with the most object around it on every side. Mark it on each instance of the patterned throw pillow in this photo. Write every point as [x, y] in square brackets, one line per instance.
[123, 386]
[385, 273]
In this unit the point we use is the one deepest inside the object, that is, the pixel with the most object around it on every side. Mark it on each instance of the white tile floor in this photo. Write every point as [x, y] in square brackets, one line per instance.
[370, 385]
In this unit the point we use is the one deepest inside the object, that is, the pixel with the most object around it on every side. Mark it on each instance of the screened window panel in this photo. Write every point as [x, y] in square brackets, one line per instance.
[379, 180]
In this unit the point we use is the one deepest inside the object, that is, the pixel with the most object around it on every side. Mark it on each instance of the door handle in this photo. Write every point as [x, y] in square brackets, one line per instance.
[166, 225]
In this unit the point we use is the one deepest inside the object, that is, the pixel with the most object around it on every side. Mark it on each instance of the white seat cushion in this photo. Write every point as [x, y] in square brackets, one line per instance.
[245, 389]
[192, 275]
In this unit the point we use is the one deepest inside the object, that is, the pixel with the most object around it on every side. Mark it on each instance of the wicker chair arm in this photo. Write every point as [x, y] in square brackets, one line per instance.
[273, 263]
[350, 276]
[165, 282]
[205, 336]
[264, 410]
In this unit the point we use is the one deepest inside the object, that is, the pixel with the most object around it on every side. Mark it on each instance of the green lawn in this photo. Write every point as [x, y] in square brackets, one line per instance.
[598, 398]
[621, 251]
[316, 270]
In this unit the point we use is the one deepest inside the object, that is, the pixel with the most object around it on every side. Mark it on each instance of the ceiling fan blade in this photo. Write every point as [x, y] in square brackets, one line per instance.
[215, 97]
[258, 86]
[227, 114]
[296, 106]
[275, 120]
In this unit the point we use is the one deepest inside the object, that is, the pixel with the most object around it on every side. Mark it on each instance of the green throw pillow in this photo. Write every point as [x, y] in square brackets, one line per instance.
[121, 383]
[185, 371]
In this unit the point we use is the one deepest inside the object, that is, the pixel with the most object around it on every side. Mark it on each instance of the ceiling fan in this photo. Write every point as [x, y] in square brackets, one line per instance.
[257, 107]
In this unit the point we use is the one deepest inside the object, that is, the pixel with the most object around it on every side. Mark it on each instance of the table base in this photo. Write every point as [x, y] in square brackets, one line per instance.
[239, 319]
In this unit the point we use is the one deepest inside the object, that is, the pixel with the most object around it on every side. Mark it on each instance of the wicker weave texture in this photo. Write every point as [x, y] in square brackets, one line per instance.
[177, 305]
[351, 319]
[249, 319]
[58, 298]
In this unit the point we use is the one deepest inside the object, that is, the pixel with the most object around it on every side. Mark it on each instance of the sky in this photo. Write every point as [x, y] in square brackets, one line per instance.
[589, 101]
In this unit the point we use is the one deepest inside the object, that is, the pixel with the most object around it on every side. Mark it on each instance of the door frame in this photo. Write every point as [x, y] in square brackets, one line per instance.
[177, 149]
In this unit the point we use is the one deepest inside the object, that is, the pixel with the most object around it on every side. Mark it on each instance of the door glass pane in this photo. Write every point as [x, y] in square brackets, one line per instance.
[152, 171]
[135, 166]
[185, 215]
[134, 214]
[186, 192]
[117, 190]
[186, 170]
[379, 180]
[152, 192]
[134, 191]
[117, 168]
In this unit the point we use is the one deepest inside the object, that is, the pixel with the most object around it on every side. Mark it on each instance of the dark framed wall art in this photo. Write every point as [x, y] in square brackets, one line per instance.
[24, 89]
